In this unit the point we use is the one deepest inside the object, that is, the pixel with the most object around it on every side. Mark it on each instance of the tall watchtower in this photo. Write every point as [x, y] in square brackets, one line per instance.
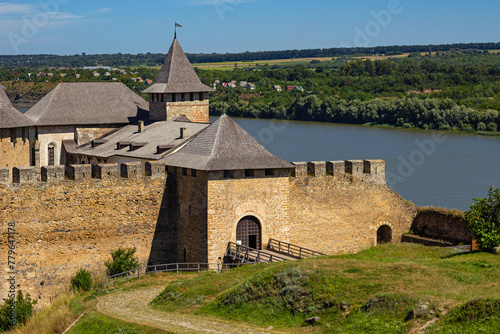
[178, 90]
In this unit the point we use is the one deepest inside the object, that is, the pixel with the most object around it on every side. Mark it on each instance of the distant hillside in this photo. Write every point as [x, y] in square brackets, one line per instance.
[156, 59]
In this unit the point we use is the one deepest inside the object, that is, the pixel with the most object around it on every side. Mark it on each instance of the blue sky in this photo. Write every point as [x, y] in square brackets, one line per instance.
[133, 26]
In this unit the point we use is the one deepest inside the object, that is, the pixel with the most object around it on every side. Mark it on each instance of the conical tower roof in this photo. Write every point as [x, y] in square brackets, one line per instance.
[10, 117]
[224, 145]
[177, 75]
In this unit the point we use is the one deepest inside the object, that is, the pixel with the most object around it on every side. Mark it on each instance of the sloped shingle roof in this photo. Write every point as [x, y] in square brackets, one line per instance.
[164, 134]
[177, 75]
[10, 117]
[224, 145]
[86, 103]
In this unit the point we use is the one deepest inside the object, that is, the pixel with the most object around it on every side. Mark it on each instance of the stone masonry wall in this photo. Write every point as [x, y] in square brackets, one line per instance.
[18, 153]
[229, 200]
[192, 226]
[341, 214]
[84, 135]
[67, 225]
[196, 111]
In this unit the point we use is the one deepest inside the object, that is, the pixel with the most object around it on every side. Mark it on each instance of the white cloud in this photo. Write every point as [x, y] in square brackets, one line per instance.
[218, 2]
[12, 8]
[64, 16]
[104, 10]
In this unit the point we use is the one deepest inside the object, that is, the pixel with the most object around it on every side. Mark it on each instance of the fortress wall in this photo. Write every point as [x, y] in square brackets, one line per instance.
[84, 135]
[65, 225]
[18, 153]
[229, 200]
[341, 213]
[196, 111]
[192, 215]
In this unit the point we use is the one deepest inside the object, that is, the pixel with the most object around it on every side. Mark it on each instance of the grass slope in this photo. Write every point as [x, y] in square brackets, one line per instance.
[391, 289]
[98, 323]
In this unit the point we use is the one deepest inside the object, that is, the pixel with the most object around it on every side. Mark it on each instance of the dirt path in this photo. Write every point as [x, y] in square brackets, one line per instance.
[133, 306]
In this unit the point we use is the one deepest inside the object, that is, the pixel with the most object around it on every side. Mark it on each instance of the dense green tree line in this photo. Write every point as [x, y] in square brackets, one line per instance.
[440, 114]
[155, 59]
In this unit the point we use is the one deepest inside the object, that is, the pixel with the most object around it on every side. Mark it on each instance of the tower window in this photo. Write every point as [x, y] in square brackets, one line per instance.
[13, 135]
[201, 96]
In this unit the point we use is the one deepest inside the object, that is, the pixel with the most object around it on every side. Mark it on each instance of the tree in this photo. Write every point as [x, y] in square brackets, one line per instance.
[483, 219]
[22, 308]
[123, 260]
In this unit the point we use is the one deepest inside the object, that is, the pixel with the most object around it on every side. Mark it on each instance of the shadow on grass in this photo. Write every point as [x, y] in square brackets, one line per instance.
[467, 253]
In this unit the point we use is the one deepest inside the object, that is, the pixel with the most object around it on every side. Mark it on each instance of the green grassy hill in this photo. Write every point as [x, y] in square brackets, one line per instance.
[388, 289]
[393, 288]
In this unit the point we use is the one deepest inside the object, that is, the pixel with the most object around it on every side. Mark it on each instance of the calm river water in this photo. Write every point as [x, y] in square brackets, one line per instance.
[425, 167]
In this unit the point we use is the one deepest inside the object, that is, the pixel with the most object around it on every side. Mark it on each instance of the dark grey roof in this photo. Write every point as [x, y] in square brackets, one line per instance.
[224, 145]
[177, 75]
[86, 103]
[164, 134]
[10, 117]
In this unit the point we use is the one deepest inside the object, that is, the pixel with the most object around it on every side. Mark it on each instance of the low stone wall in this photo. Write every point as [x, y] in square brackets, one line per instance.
[441, 225]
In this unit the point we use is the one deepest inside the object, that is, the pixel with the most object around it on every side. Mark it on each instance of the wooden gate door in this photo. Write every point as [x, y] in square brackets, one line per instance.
[248, 232]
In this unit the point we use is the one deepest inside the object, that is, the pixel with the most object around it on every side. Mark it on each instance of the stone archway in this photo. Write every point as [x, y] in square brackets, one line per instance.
[384, 235]
[249, 232]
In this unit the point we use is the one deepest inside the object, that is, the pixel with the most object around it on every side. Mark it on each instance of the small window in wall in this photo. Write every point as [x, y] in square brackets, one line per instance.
[24, 134]
[249, 173]
[201, 96]
[191, 97]
[184, 172]
[51, 155]
[183, 97]
[269, 172]
[162, 97]
[229, 174]
[13, 135]
[193, 172]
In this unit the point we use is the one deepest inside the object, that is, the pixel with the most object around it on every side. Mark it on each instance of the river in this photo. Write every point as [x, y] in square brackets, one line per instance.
[429, 168]
[426, 167]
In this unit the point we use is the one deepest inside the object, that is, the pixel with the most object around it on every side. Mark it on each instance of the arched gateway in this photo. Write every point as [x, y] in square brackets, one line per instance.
[249, 233]
[384, 234]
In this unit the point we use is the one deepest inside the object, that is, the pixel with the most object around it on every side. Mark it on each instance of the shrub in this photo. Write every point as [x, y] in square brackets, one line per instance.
[82, 281]
[475, 310]
[123, 260]
[23, 310]
[492, 127]
[483, 219]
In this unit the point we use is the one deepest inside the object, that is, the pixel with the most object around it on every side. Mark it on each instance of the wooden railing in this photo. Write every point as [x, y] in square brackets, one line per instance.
[291, 250]
[171, 267]
[250, 255]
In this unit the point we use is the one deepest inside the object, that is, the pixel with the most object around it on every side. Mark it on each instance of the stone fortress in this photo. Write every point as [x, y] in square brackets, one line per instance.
[113, 172]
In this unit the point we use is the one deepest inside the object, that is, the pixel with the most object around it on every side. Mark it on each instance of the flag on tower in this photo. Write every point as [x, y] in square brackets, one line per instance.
[177, 25]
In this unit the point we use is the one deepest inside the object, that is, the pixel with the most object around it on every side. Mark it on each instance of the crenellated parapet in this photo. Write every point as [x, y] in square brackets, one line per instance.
[51, 174]
[369, 170]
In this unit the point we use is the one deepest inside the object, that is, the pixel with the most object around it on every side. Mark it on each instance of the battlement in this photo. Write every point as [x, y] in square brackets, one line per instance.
[50, 174]
[369, 170]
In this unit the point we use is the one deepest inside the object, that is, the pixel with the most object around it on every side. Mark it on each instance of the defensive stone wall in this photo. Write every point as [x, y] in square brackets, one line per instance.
[231, 198]
[442, 225]
[64, 222]
[71, 217]
[15, 147]
[338, 206]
